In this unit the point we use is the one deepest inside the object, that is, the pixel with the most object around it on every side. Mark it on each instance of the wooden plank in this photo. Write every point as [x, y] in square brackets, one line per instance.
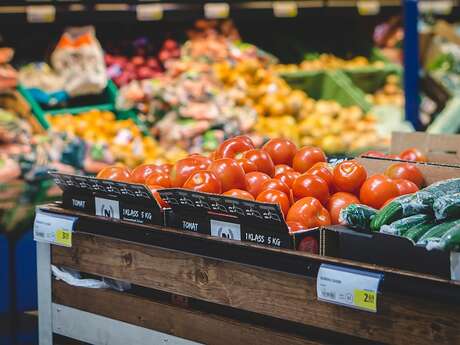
[188, 324]
[99, 330]
[400, 320]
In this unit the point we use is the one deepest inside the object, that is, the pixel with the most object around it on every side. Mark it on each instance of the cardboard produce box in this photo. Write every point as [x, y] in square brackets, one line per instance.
[439, 148]
[110, 199]
[233, 218]
[388, 250]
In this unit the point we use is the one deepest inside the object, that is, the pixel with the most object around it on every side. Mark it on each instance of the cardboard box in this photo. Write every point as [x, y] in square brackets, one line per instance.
[231, 218]
[388, 250]
[110, 199]
[439, 148]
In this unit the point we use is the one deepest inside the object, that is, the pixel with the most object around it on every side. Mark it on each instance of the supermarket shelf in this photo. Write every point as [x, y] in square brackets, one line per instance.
[47, 11]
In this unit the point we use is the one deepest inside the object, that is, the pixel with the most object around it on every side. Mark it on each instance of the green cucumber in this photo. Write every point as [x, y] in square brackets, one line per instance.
[411, 204]
[357, 216]
[436, 232]
[401, 226]
[447, 206]
[418, 231]
[450, 240]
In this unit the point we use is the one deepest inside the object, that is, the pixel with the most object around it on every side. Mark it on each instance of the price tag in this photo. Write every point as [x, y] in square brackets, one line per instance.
[41, 14]
[443, 7]
[53, 228]
[349, 287]
[285, 9]
[368, 7]
[231, 231]
[147, 12]
[216, 10]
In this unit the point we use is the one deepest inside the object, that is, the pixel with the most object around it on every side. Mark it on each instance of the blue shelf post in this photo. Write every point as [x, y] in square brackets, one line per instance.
[411, 63]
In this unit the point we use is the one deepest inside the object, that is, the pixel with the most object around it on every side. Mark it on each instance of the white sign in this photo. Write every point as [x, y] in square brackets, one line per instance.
[436, 7]
[53, 228]
[216, 10]
[147, 12]
[41, 14]
[349, 287]
[107, 208]
[368, 7]
[285, 9]
[227, 230]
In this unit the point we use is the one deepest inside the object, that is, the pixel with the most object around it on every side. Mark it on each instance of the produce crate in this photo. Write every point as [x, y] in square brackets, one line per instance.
[190, 288]
[108, 104]
[329, 85]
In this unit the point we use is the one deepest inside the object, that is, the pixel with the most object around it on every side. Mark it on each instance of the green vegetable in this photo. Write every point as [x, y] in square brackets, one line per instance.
[436, 232]
[447, 206]
[450, 240]
[411, 204]
[401, 226]
[418, 231]
[357, 216]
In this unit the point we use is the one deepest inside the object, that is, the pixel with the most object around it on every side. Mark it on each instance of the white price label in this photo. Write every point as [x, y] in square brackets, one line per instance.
[107, 208]
[285, 9]
[368, 7]
[147, 12]
[53, 228]
[231, 231]
[216, 10]
[41, 14]
[443, 7]
[349, 287]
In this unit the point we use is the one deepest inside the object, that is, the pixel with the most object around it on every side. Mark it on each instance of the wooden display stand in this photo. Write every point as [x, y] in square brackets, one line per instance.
[191, 288]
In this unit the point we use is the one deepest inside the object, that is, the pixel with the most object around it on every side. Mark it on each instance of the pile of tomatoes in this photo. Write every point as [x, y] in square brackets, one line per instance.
[411, 154]
[308, 190]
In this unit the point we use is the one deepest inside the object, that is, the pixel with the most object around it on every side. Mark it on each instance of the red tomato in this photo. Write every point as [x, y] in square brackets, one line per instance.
[337, 202]
[230, 174]
[294, 226]
[254, 181]
[309, 212]
[281, 168]
[406, 171]
[166, 167]
[234, 147]
[183, 168]
[308, 244]
[154, 190]
[376, 154]
[276, 184]
[274, 196]
[322, 170]
[310, 185]
[238, 193]
[288, 177]
[115, 173]
[206, 161]
[306, 157]
[405, 186]
[204, 181]
[348, 176]
[413, 154]
[159, 179]
[141, 172]
[377, 190]
[262, 160]
[281, 151]
[247, 166]
[392, 156]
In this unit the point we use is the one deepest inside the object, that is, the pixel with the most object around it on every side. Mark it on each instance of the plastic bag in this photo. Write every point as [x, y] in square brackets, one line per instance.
[357, 216]
[79, 59]
[450, 240]
[434, 235]
[401, 226]
[447, 206]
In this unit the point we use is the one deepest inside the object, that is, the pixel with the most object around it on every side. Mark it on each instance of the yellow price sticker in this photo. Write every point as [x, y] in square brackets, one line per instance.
[366, 299]
[64, 237]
